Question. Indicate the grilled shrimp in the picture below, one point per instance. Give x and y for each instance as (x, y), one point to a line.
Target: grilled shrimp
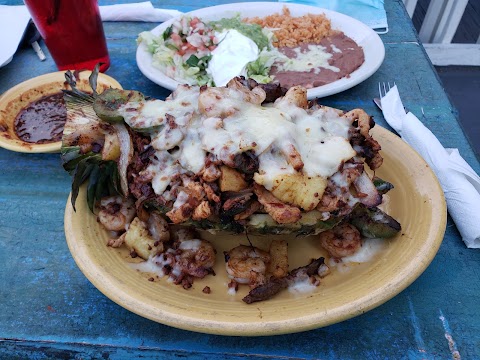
(116, 213)
(342, 240)
(247, 264)
(195, 257)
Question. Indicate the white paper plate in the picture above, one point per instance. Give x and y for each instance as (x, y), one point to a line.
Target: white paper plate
(363, 35)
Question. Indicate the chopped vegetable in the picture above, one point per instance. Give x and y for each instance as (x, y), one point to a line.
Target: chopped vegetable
(184, 50)
(252, 31)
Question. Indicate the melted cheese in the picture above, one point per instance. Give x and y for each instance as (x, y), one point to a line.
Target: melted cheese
(222, 123)
(273, 165)
(304, 60)
(193, 245)
(370, 248)
(192, 156)
(302, 286)
(162, 168)
(182, 199)
(149, 114)
(253, 127)
(323, 157)
(335, 49)
(154, 265)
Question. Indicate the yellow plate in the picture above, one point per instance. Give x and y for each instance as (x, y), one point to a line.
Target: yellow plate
(15, 99)
(417, 202)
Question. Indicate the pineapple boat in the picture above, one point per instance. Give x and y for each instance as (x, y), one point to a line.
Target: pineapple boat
(242, 158)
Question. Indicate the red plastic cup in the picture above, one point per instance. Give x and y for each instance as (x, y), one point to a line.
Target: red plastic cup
(72, 31)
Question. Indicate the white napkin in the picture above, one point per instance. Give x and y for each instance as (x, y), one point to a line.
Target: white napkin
(460, 184)
(13, 22)
(143, 11)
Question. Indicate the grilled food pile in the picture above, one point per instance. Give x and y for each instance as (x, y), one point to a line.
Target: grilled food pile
(244, 158)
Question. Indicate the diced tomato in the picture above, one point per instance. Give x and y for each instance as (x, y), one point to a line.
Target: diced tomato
(194, 22)
(176, 39)
(189, 53)
(190, 47)
(200, 27)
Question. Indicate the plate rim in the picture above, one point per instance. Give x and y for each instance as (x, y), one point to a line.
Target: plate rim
(11, 94)
(157, 76)
(361, 305)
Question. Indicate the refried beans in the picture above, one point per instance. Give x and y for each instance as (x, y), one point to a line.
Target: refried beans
(341, 53)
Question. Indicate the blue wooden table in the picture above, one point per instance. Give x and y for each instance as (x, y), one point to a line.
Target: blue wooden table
(49, 310)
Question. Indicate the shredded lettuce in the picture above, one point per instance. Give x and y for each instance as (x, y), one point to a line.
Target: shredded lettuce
(259, 69)
(165, 55)
(252, 31)
(150, 40)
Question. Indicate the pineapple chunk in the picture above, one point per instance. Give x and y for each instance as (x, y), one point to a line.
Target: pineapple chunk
(111, 147)
(278, 265)
(231, 180)
(297, 188)
(138, 239)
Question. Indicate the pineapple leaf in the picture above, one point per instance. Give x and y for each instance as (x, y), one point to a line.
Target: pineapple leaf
(92, 79)
(92, 184)
(102, 177)
(116, 180)
(75, 94)
(111, 168)
(83, 140)
(80, 174)
(101, 189)
(68, 155)
(71, 157)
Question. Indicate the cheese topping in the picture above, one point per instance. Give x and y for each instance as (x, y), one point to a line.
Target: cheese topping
(162, 168)
(223, 124)
(302, 286)
(252, 127)
(305, 58)
(193, 245)
(148, 114)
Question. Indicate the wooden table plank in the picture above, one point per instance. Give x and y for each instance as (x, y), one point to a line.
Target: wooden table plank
(50, 310)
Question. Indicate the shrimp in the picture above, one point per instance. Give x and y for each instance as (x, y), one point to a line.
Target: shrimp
(365, 121)
(247, 265)
(342, 240)
(116, 213)
(194, 257)
(369, 144)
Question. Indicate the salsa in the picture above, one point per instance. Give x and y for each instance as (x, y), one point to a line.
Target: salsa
(42, 121)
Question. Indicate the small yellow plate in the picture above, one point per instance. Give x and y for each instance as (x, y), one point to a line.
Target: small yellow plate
(18, 97)
(417, 202)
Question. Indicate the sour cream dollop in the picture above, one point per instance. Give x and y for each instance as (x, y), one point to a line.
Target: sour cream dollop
(230, 57)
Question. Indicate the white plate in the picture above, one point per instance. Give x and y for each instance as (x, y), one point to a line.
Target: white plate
(363, 35)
